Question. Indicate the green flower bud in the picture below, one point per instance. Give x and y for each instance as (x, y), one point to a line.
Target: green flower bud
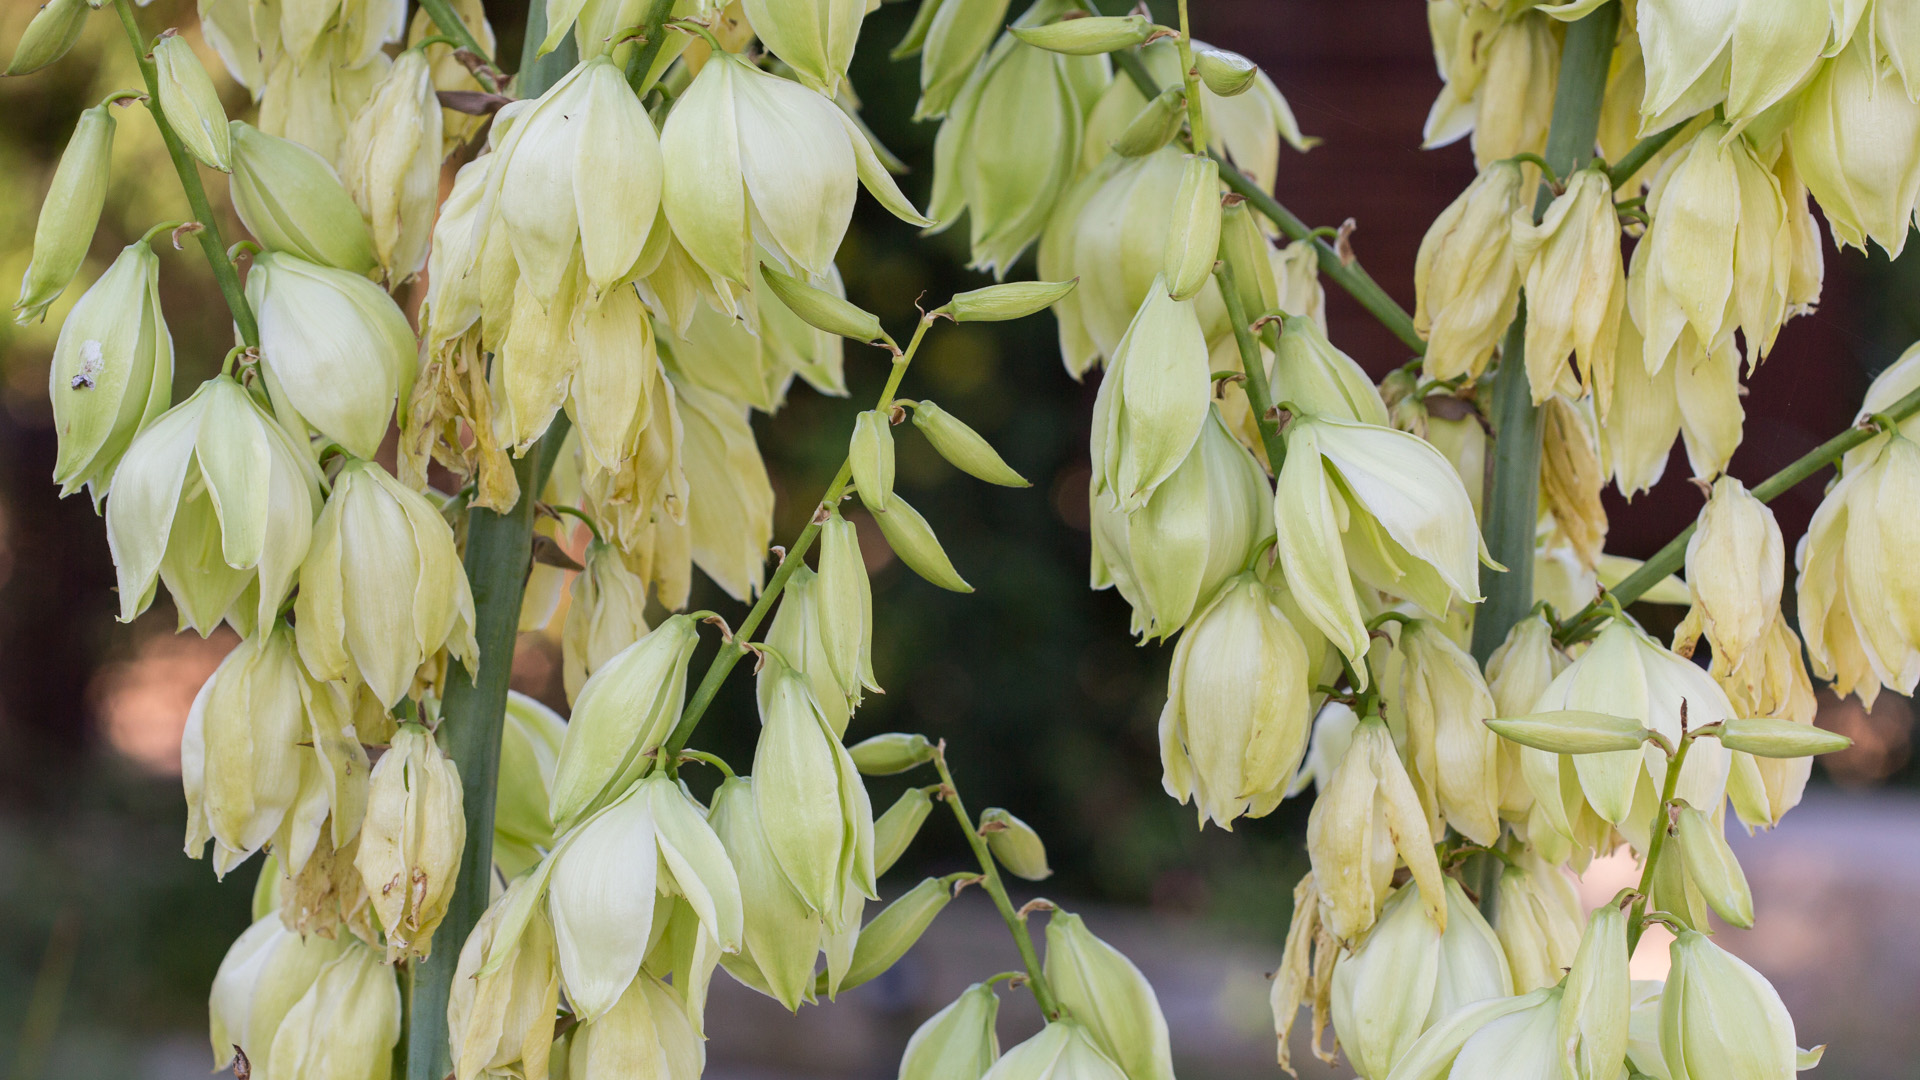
(607, 614)
(51, 32)
(345, 1025)
(1103, 989)
(503, 1020)
(1155, 125)
(191, 104)
(870, 458)
(1245, 249)
(1317, 379)
(390, 163)
(411, 841)
(248, 512)
(956, 38)
(382, 588)
(1000, 303)
(1769, 738)
(1572, 731)
(111, 375)
(1227, 74)
(896, 828)
(1153, 403)
(894, 752)
(1720, 1019)
(648, 1028)
(912, 539)
(71, 211)
(815, 37)
(1088, 36)
(1014, 844)
(1595, 1012)
(1063, 1050)
(958, 1041)
(887, 938)
(606, 874)
(1246, 129)
(963, 447)
(1712, 867)
(241, 759)
(781, 937)
(622, 713)
(821, 309)
(818, 821)
(291, 200)
(1010, 145)
(529, 747)
(1193, 236)
(1366, 813)
(844, 600)
(266, 971)
(798, 636)
(790, 153)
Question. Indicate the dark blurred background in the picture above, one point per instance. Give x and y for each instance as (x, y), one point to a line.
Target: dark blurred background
(109, 936)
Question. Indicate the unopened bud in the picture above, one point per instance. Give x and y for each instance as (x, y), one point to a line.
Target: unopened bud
(892, 932)
(1000, 303)
(913, 540)
(49, 35)
(956, 38)
(844, 599)
(781, 935)
(1227, 74)
(894, 752)
(1089, 36)
(390, 163)
(963, 447)
(957, 1041)
(1712, 867)
(71, 211)
(1571, 731)
(870, 457)
(1103, 989)
(291, 200)
(821, 309)
(1155, 125)
(1014, 844)
(191, 104)
(1595, 1010)
(1771, 738)
(818, 821)
(896, 828)
(1193, 233)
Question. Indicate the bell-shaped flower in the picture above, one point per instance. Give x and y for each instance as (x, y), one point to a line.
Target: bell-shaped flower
(814, 37)
(1466, 281)
(529, 748)
(346, 1024)
(291, 200)
(781, 940)
(1747, 54)
(411, 840)
(1315, 378)
(789, 155)
(1103, 990)
(265, 972)
(646, 1033)
(382, 589)
(1537, 916)
(606, 614)
(1736, 569)
(730, 509)
(1857, 145)
(501, 1020)
(240, 754)
(1720, 1019)
(1063, 1050)
(1368, 818)
(1437, 690)
(812, 803)
(959, 1040)
(1153, 402)
(621, 715)
(335, 347)
(212, 497)
(112, 374)
(1239, 706)
(606, 876)
(1576, 286)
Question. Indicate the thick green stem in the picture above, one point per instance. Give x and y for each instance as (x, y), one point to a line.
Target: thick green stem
(734, 648)
(1670, 559)
(1637, 922)
(655, 34)
(1259, 397)
(1513, 499)
(990, 880)
(473, 707)
(189, 172)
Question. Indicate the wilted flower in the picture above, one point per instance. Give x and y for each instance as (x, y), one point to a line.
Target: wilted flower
(1576, 286)
(390, 161)
(500, 1016)
(1500, 77)
(1367, 816)
(1736, 569)
(111, 375)
(1436, 688)
(71, 211)
(411, 840)
(210, 497)
(730, 513)
(1466, 280)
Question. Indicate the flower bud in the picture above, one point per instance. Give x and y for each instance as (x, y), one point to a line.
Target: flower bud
(530, 742)
(1367, 812)
(963, 447)
(411, 841)
(291, 200)
(1103, 989)
(895, 829)
(792, 156)
(1712, 867)
(797, 635)
(1572, 731)
(1780, 738)
(894, 752)
(382, 589)
(606, 874)
(913, 540)
(1466, 281)
(885, 939)
(390, 163)
(1720, 1019)
(1088, 36)
(814, 37)
(622, 713)
(111, 375)
(1311, 374)
(1246, 250)
(1238, 709)
(647, 1032)
(781, 935)
(870, 459)
(1576, 286)
(818, 821)
(266, 971)
(1153, 401)
(247, 515)
(1227, 74)
(503, 1020)
(821, 309)
(845, 610)
(1014, 844)
(1247, 128)
(957, 1041)
(1063, 1050)
(1155, 125)
(49, 34)
(191, 104)
(1193, 236)
(956, 38)
(1001, 303)
(71, 211)
(1595, 1011)
(345, 1025)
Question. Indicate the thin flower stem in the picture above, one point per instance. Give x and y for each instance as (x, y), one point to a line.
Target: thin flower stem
(210, 240)
(990, 881)
(455, 28)
(1259, 398)
(1643, 151)
(735, 647)
(1637, 922)
(1672, 558)
(1196, 108)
